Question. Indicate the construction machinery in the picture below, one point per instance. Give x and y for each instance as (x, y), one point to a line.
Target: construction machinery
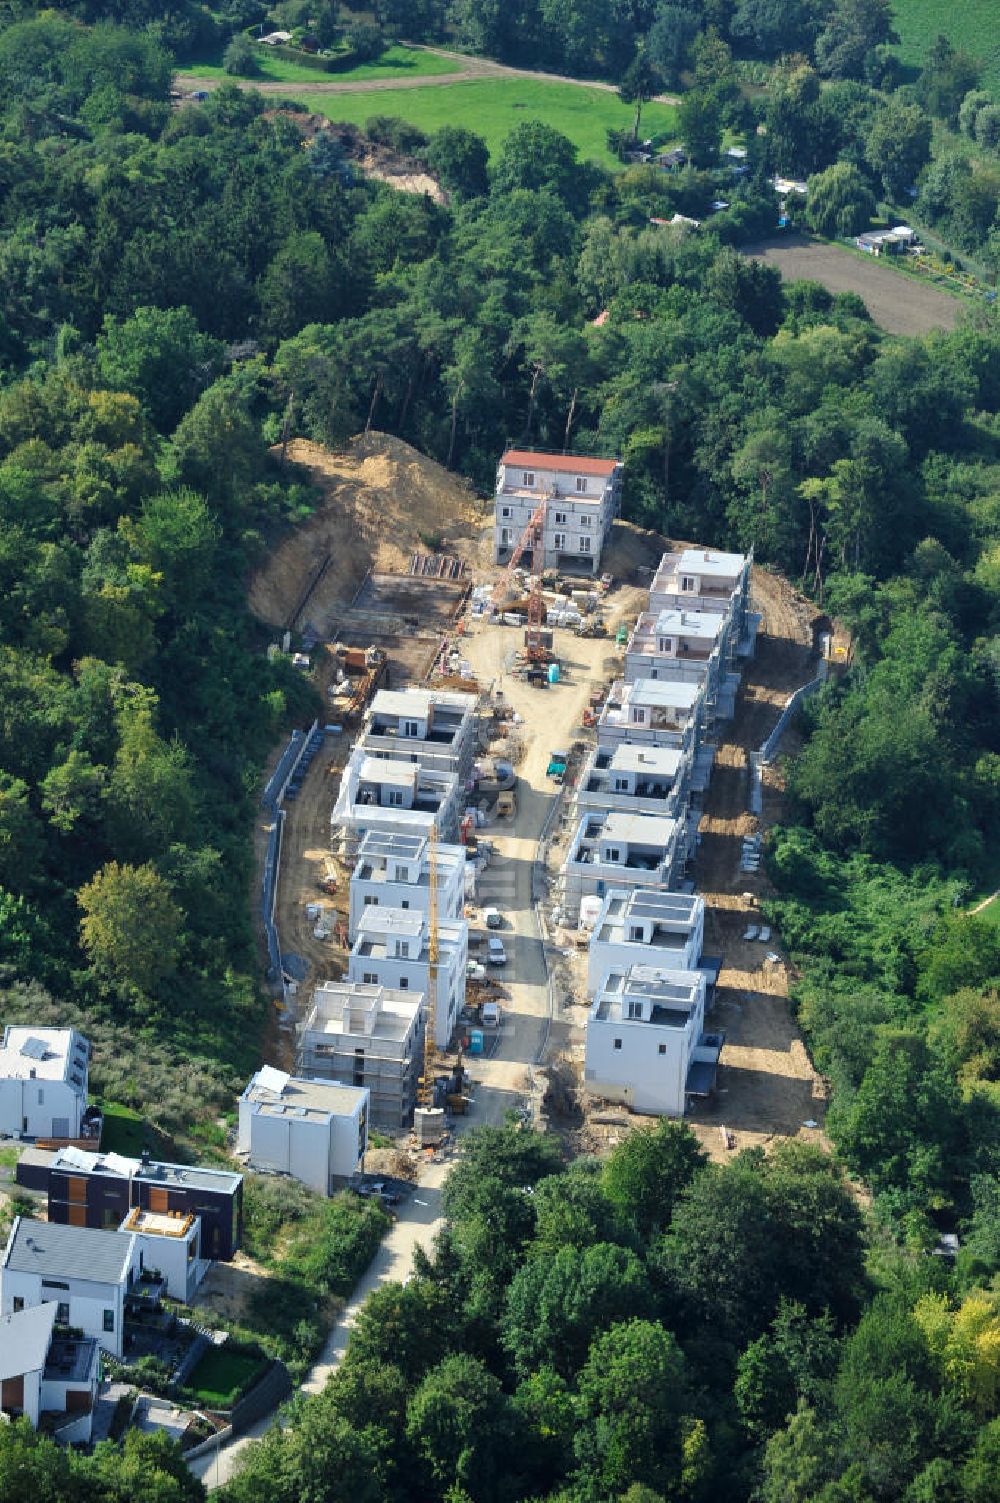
(532, 606)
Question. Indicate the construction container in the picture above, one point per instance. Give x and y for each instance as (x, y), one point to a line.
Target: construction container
(553, 673)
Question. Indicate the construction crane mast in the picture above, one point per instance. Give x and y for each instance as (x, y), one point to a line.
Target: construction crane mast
(532, 537)
(425, 1086)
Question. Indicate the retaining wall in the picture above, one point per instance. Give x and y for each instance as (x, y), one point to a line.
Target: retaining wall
(283, 783)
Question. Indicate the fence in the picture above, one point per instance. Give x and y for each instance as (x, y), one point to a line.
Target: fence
(770, 746)
(284, 783)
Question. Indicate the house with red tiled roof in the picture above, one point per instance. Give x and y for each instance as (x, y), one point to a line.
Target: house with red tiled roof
(581, 494)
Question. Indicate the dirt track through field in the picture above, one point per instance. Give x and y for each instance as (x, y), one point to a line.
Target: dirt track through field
(472, 69)
(898, 303)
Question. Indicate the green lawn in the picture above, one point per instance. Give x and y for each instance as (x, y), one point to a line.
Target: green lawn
(395, 62)
(968, 24)
(125, 1131)
(220, 1373)
(493, 107)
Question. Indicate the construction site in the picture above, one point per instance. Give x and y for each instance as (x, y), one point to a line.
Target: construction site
(392, 585)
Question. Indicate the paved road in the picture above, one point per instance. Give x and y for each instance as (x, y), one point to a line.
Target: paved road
(471, 69)
(501, 1081)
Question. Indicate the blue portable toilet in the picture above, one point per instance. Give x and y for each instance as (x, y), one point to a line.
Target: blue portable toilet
(476, 1041)
(553, 673)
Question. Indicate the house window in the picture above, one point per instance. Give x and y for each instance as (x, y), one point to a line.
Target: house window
(585, 545)
(62, 1312)
(621, 785)
(560, 518)
(581, 484)
(618, 1043)
(370, 978)
(638, 717)
(688, 583)
(400, 948)
(559, 541)
(395, 798)
(371, 902)
(18, 1304)
(505, 537)
(109, 1320)
(505, 511)
(404, 903)
(41, 1097)
(404, 983)
(661, 1048)
(527, 477)
(614, 854)
(586, 521)
(635, 933)
(666, 644)
(411, 728)
(634, 1011)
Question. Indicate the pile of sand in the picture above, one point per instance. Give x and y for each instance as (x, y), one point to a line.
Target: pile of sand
(380, 496)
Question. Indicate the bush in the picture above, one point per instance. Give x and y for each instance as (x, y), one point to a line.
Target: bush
(398, 135)
(366, 41)
(240, 58)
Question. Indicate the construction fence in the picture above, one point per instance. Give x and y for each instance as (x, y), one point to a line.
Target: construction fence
(284, 783)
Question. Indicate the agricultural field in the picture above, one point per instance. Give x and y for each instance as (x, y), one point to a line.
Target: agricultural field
(968, 24)
(493, 107)
(898, 303)
(395, 62)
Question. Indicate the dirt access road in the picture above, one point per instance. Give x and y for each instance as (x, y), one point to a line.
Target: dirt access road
(767, 1085)
(898, 303)
(471, 69)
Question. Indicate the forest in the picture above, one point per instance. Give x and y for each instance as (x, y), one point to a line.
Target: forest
(179, 286)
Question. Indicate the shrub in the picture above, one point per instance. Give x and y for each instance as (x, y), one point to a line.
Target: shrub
(240, 58)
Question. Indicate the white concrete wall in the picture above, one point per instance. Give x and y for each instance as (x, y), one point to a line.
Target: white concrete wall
(31, 1107)
(412, 895)
(309, 1149)
(171, 1255)
(87, 1303)
(411, 975)
(637, 1073)
(606, 957)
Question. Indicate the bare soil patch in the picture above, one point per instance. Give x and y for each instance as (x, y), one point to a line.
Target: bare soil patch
(380, 494)
(897, 303)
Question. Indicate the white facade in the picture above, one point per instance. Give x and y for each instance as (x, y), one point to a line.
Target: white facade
(87, 1274)
(704, 579)
(650, 713)
(392, 949)
(43, 1082)
(622, 850)
(630, 779)
(393, 871)
(643, 927)
(393, 798)
(433, 727)
(366, 1036)
(582, 495)
(170, 1243)
(43, 1372)
(643, 1034)
(314, 1130)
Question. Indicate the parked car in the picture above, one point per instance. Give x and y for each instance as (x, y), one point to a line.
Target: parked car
(490, 1014)
(495, 952)
(475, 972)
(492, 918)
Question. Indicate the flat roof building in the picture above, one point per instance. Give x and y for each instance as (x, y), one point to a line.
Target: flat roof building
(392, 949)
(621, 850)
(630, 779)
(363, 1035)
(645, 1040)
(393, 798)
(582, 495)
(46, 1376)
(643, 926)
(435, 728)
(43, 1082)
(393, 871)
(705, 579)
(316, 1131)
(690, 646)
(650, 713)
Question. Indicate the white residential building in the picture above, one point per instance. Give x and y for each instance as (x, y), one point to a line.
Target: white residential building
(703, 579)
(636, 780)
(369, 1036)
(393, 798)
(582, 495)
(643, 927)
(314, 1130)
(621, 850)
(689, 646)
(650, 713)
(43, 1082)
(392, 949)
(86, 1274)
(433, 727)
(170, 1243)
(645, 1042)
(46, 1372)
(393, 871)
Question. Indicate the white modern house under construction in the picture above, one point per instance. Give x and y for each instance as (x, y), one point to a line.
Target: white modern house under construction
(643, 927)
(392, 949)
(582, 496)
(645, 1042)
(393, 871)
(316, 1131)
